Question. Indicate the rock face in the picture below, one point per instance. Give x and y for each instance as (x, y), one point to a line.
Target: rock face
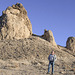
(48, 35)
(14, 23)
(70, 44)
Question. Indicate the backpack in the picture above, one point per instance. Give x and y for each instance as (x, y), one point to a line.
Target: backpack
(51, 58)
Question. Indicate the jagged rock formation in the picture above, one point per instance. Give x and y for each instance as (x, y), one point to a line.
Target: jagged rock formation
(48, 35)
(70, 44)
(14, 23)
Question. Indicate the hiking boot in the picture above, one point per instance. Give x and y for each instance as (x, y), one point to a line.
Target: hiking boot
(52, 74)
(48, 73)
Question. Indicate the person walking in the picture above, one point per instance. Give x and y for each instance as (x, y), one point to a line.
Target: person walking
(52, 59)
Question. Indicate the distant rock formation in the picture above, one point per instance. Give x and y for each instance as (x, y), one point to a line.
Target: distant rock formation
(14, 23)
(70, 44)
(48, 35)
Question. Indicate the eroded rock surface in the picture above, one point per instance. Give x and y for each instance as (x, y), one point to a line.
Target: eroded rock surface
(70, 44)
(14, 23)
(48, 35)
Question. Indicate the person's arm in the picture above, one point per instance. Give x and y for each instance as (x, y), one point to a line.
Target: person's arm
(49, 57)
(55, 58)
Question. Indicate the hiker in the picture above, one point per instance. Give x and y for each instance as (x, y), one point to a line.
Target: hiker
(52, 59)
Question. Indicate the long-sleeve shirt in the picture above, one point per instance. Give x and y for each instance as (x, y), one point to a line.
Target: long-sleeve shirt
(52, 57)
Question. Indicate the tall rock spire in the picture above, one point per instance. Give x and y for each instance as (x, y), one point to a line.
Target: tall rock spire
(48, 35)
(15, 23)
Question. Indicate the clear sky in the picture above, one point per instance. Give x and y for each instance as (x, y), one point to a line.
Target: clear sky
(55, 15)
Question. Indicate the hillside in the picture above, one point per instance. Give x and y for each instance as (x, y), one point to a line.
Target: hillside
(29, 57)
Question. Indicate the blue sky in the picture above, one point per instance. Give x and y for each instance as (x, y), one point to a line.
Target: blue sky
(55, 15)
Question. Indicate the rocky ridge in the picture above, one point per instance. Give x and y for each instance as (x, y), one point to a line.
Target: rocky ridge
(29, 57)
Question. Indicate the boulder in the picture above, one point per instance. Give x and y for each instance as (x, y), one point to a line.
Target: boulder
(14, 23)
(70, 44)
(48, 35)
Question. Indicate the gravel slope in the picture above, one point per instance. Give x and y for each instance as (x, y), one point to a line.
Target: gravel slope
(29, 57)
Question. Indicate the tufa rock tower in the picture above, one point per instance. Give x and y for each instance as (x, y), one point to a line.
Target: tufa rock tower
(70, 44)
(48, 35)
(14, 23)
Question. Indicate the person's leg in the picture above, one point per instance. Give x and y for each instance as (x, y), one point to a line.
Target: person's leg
(49, 67)
(53, 68)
